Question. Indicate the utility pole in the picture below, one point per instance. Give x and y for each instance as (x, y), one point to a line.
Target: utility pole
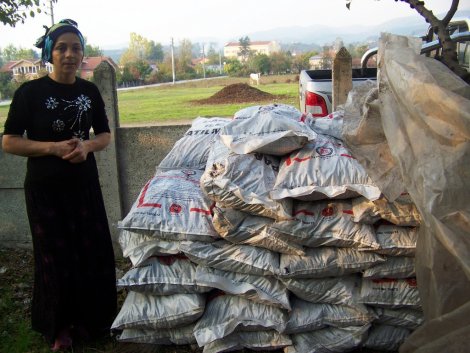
(220, 63)
(51, 8)
(203, 61)
(173, 61)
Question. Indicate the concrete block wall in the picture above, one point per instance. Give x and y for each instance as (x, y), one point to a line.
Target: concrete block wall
(124, 166)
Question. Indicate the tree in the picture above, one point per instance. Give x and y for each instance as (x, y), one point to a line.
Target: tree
(281, 62)
(301, 61)
(213, 57)
(185, 56)
(92, 50)
(154, 52)
(439, 27)
(233, 67)
(12, 12)
(245, 51)
(10, 53)
(261, 63)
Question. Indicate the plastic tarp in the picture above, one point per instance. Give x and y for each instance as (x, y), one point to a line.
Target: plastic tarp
(422, 115)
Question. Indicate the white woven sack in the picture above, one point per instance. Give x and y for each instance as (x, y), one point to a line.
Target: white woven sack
(326, 262)
(401, 212)
(331, 290)
(393, 267)
(172, 204)
(230, 257)
(239, 227)
(390, 293)
(266, 340)
(326, 223)
(407, 318)
(192, 149)
(170, 336)
(243, 182)
(323, 169)
(396, 241)
(329, 339)
(226, 314)
(139, 245)
(262, 289)
(386, 338)
(331, 125)
(147, 311)
(306, 316)
(163, 276)
(275, 129)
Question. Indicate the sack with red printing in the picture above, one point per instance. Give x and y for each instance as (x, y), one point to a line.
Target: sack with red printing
(328, 290)
(326, 262)
(139, 245)
(396, 241)
(231, 257)
(240, 227)
(172, 203)
(243, 182)
(393, 267)
(323, 169)
(390, 293)
(307, 316)
(326, 223)
(401, 212)
(192, 149)
(331, 125)
(386, 337)
(275, 129)
(163, 275)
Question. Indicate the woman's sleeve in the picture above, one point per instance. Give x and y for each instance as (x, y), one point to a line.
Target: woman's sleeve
(18, 114)
(100, 119)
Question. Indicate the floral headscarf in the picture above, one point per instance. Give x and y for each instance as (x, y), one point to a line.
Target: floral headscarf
(46, 42)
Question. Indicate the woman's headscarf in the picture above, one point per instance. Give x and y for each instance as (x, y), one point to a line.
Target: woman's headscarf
(46, 42)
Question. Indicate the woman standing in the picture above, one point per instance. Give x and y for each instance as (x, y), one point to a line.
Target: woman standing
(49, 122)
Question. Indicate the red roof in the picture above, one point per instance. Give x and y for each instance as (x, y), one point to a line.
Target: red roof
(90, 63)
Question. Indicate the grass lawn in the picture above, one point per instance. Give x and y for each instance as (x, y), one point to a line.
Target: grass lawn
(171, 103)
(174, 102)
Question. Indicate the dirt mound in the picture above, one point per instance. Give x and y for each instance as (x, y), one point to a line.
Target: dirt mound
(237, 93)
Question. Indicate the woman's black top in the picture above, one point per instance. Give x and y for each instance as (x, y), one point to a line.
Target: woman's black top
(50, 111)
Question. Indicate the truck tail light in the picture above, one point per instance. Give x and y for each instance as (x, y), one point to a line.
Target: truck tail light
(315, 105)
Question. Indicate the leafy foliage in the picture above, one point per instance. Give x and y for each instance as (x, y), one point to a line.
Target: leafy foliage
(12, 12)
(244, 51)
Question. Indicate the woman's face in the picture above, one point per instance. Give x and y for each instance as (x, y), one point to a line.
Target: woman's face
(67, 54)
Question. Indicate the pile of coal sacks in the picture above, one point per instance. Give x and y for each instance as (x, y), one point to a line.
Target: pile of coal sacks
(264, 232)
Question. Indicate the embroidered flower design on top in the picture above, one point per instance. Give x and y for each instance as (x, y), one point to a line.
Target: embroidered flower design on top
(79, 134)
(81, 105)
(58, 125)
(51, 103)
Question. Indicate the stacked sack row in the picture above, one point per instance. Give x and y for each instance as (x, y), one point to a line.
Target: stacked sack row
(263, 232)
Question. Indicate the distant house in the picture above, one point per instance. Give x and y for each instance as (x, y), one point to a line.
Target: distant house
(90, 63)
(315, 62)
(30, 69)
(27, 68)
(232, 49)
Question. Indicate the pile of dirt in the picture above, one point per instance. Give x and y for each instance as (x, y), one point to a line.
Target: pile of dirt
(238, 93)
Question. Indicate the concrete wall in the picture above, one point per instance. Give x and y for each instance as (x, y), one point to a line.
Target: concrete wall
(124, 166)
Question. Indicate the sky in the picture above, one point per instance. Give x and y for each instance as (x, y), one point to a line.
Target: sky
(108, 23)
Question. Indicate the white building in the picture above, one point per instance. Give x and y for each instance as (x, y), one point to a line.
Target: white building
(232, 49)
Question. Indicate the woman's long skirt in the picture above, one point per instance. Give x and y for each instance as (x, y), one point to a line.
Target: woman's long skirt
(74, 274)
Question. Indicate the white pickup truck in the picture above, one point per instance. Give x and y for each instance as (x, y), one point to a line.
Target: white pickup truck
(315, 85)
